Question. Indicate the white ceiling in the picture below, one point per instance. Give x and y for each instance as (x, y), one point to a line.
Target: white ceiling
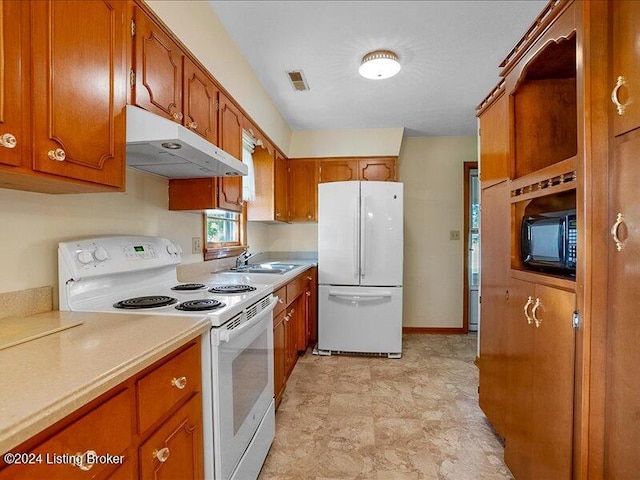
(449, 50)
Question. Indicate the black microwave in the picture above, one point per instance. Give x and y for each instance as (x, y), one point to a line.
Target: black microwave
(549, 241)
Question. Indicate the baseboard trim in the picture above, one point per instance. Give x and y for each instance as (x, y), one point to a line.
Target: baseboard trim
(434, 330)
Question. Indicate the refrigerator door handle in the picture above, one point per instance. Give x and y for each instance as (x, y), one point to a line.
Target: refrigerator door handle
(356, 240)
(363, 235)
(338, 293)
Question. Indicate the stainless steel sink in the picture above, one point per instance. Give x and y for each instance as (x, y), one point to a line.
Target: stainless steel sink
(274, 268)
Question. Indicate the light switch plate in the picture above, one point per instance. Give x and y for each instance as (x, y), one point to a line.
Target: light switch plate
(454, 235)
(196, 245)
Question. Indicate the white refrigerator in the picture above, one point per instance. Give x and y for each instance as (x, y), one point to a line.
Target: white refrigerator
(360, 252)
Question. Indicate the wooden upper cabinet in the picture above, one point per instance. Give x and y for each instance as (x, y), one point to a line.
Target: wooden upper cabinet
(79, 89)
(158, 70)
(14, 85)
(230, 136)
(338, 170)
(303, 190)
(625, 83)
(377, 169)
(200, 102)
(494, 141)
(280, 187)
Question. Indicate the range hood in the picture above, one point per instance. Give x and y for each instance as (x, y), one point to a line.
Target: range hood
(163, 147)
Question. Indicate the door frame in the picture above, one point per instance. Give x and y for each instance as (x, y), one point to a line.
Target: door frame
(468, 166)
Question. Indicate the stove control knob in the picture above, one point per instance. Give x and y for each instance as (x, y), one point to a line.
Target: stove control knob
(84, 257)
(171, 249)
(101, 254)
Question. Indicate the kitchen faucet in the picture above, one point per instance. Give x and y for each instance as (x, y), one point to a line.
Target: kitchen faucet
(243, 258)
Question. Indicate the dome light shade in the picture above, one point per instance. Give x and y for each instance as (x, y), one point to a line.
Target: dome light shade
(379, 65)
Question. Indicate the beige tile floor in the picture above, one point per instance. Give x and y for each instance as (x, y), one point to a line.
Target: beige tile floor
(350, 417)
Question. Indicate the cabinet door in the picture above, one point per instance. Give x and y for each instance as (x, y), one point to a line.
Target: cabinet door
(279, 356)
(175, 450)
(622, 435)
(626, 63)
(377, 169)
(553, 378)
(494, 142)
(303, 190)
(158, 68)
(495, 234)
(230, 137)
(14, 106)
(291, 324)
(280, 187)
(200, 102)
(331, 170)
(518, 454)
(79, 89)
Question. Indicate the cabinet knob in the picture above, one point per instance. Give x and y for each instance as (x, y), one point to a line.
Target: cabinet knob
(614, 95)
(526, 310)
(309, 277)
(162, 455)
(59, 155)
(309, 216)
(533, 313)
(280, 300)
(287, 318)
(614, 232)
(308, 294)
(177, 116)
(278, 214)
(8, 141)
(82, 464)
(193, 125)
(179, 383)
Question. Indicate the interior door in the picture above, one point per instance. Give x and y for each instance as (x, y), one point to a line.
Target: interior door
(381, 235)
(339, 233)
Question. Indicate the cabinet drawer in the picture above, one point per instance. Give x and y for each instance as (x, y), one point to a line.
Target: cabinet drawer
(296, 287)
(281, 293)
(104, 430)
(175, 450)
(168, 385)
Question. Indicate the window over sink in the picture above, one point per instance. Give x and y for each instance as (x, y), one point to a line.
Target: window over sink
(225, 233)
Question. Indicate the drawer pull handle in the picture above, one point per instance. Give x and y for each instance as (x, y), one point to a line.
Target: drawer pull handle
(614, 95)
(614, 232)
(162, 455)
(177, 116)
(58, 155)
(533, 313)
(179, 383)
(8, 141)
(82, 457)
(309, 278)
(526, 310)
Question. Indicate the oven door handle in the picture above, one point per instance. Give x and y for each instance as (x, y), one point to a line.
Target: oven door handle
(228, 335)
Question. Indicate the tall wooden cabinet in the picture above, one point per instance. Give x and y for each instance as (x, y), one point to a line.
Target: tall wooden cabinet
(230, 121)
(543, 138)
(622, 397)
(303, 190)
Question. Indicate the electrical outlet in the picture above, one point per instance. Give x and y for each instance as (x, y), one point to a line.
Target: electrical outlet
(196, 245)
(454, 235)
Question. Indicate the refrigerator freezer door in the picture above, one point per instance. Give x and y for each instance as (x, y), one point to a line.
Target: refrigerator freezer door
(381, 249)
(360, 319)
(339, 233)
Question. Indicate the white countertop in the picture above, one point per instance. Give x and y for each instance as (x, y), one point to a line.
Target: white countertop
(45, 379)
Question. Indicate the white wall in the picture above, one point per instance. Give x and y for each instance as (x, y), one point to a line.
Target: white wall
(34, 223)
(346, 143)
(431, 169)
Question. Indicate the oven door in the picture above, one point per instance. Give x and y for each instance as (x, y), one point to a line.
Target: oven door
(242, 361)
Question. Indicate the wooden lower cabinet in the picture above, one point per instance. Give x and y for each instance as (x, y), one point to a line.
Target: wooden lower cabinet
(292, 322)
(168, 444)
(539, 381)
(496, 231)
(175, 449)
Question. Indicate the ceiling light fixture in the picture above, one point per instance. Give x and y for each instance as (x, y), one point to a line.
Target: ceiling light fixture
(379, 65)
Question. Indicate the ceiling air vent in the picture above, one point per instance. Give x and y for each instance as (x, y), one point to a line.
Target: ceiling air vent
(298, 81)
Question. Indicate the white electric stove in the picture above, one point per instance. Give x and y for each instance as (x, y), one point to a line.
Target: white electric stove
(137, 274)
